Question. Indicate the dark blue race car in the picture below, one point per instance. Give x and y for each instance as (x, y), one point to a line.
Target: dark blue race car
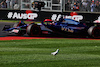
(66, 27)
(69, 27)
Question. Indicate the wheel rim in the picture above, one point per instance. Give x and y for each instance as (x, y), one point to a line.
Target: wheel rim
(35, 31)
(96, 32)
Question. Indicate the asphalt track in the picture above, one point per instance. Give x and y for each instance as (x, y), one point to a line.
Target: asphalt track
(3, 33)
(7, 36)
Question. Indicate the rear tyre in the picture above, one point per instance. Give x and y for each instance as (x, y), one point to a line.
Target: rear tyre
(33, 30)
(94, 31)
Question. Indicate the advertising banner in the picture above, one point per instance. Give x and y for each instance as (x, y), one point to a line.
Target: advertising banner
(40, 16)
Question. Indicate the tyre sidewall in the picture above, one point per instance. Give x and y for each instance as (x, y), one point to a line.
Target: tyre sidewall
(94, 31)
(31, 30)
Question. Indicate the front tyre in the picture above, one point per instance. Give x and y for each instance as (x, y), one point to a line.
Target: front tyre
(94, 31)
(33, 30)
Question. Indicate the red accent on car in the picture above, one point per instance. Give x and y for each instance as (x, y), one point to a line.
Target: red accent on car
(19, 23)
(73, 13)
(47, 20)
(28, 11)
(45, 32)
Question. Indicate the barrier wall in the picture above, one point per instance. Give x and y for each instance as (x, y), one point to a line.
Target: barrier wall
(40, 16)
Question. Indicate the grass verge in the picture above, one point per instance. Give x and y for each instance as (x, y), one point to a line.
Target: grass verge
(37, 53)
(15, 21)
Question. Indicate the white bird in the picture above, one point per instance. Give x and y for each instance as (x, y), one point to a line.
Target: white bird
(56, 52)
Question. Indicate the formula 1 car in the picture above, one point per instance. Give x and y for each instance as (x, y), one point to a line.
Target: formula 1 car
(70, 27)
(32, 29)
(67, 27)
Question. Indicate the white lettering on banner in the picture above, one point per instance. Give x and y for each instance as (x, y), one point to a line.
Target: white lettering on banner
(16, 15)
(75, 17)
(58, 17)
(10, 14)
(54, 16)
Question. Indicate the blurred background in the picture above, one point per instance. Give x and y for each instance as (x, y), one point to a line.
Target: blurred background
(52, 5)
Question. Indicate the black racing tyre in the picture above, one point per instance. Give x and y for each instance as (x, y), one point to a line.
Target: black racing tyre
(33, 30)
(94, 31)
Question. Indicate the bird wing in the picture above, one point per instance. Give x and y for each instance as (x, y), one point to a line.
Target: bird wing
(53, 53)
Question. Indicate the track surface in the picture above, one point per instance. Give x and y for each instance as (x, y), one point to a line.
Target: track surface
(20, 38)
(6, 36)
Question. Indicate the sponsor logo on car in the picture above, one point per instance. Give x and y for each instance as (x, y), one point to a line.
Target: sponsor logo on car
(98, 20)
(67, 29)
(15, 31)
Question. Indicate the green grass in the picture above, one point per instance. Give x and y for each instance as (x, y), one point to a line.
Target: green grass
(9, 20)
(37, 53)
(15, 21)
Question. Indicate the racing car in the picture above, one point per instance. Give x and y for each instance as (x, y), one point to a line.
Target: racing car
(67, 27)
(32, 29)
